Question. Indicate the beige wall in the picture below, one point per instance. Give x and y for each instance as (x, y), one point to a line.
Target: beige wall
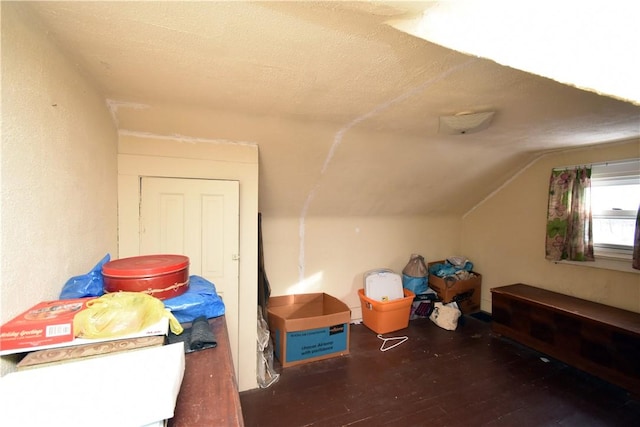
(58, 169)
(330, 254)
(164, 156)
(505, 236)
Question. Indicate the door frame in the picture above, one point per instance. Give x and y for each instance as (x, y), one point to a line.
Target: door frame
(199, 160)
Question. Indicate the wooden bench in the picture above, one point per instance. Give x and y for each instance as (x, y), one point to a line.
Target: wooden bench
(601, 340)
(209, 392)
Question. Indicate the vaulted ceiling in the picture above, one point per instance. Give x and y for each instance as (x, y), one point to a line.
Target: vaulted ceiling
(343, 99)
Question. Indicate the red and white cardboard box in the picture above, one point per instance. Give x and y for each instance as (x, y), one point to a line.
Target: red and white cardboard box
(49, 324)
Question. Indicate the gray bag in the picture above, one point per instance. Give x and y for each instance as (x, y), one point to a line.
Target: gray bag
(416, 267)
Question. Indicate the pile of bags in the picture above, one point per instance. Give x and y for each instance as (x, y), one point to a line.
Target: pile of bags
(426, 303)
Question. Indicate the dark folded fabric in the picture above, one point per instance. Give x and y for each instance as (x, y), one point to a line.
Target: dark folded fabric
(201, 335)
(198, 337)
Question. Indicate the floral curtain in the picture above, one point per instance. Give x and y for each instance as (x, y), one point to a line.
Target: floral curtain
(636, 243)
(569, 225)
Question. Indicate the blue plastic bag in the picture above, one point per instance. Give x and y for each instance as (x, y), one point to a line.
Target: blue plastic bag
(417, 285)
(201, 299)
(446, 269)
(86, 285)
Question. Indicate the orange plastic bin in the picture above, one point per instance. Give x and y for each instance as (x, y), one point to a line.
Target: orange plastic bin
(386, 316)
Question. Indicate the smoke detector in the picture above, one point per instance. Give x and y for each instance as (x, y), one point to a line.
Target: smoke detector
(464, 123)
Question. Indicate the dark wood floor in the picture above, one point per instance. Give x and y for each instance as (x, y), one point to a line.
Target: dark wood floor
(468, 377)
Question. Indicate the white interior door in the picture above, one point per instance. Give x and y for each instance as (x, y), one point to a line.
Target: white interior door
(198, 218)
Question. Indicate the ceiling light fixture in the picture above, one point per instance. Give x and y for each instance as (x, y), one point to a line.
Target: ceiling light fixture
(464, 123)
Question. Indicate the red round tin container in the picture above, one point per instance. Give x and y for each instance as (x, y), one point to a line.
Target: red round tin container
(162, 276)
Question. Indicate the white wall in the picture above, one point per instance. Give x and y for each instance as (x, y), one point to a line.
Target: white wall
(505, 236)
(165, 156)
(59, 183)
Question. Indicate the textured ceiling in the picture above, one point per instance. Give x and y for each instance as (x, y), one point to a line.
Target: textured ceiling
(343, 107)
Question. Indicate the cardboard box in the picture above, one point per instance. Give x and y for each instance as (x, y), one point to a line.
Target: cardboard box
(308, 327)
(49, 324)
(130, 388)
(386, 316)
(466, 292)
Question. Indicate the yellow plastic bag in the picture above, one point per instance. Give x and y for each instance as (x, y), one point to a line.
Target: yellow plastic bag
(121, 313)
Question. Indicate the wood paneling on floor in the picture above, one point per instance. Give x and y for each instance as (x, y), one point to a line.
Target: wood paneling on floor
(468, 377)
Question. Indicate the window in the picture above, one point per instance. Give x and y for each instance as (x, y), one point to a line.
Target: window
(615, 198)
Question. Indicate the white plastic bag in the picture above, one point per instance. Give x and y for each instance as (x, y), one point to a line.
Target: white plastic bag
(445, 316)
(267, 375)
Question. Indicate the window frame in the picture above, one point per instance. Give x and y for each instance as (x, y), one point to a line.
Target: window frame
(615, 174)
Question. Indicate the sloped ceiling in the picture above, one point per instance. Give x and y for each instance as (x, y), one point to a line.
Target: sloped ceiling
(343, 106)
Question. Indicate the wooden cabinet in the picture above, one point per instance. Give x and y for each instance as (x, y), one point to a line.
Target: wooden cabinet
(599, 339)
